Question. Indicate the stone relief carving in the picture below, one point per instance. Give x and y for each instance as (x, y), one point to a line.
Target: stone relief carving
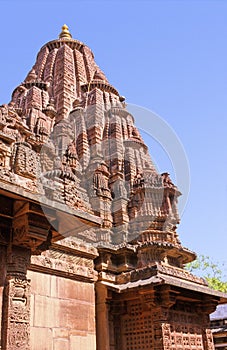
(25, 161)
(65, 262)
(16, 301)
(16, 314)
(209, 344)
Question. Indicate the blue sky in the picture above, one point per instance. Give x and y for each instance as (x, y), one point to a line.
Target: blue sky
(167, 56)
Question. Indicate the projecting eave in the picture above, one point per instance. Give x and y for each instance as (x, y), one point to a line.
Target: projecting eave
(183, 254)
(195, 287)
(16, 192)
(187, 255)
(40, 215)
(161, 279)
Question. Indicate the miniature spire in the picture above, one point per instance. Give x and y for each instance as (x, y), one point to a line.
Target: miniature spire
(65, 32)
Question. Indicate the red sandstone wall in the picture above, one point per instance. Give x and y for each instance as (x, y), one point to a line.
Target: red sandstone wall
(62, 313)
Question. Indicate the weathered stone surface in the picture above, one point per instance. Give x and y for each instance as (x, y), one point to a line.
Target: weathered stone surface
(63, 307)
(46, 312)
(41, 338)
(68, 289)
(81, 342)
(41, 283)
(61, 344)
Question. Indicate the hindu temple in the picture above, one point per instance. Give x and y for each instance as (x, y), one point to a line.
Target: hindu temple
(89, 251)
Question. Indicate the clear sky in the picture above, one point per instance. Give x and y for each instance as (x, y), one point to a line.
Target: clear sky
(167, 56)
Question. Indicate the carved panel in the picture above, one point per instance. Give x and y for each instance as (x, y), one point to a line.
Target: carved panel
(16, 314)
(208, 340)
(166, 336)
(186, 330)
(161, 328)
(186, 337)
(185, 317)
(137, 329)
(25, 161)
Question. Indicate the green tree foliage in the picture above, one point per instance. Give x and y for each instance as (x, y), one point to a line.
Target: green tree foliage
(211, 271)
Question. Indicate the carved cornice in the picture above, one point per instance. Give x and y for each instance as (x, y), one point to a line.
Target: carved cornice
(39, 84)
(122, 112)
(135, 143)
(67, 264)
(100, 84)
(72, 43)
(75, 247)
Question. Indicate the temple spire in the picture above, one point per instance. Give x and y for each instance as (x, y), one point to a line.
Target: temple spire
(65, 32)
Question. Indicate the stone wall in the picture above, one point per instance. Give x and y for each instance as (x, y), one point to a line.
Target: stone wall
(62, 313)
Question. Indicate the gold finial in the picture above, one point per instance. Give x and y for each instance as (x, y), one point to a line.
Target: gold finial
(65, 32)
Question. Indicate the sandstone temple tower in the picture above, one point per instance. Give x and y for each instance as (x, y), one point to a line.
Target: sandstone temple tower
(90, 256)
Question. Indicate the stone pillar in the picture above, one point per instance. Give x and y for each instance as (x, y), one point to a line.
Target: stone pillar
(161, 329)
(16, 302)
(208, 339)
(166, 336)
(102, 319)
(209, 306)
(2, 282)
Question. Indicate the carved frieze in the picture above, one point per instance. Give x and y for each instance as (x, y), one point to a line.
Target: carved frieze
(67, 263)
(181, 273)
